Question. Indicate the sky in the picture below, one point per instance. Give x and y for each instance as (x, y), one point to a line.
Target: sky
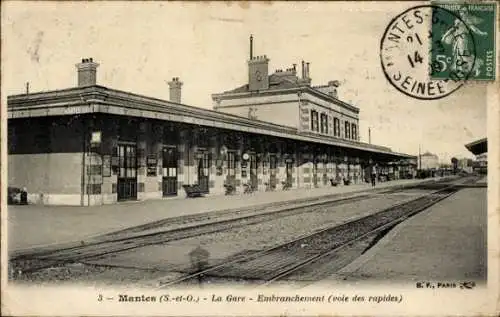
(141, 45)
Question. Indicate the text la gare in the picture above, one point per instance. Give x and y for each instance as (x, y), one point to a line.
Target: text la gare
(228, 298)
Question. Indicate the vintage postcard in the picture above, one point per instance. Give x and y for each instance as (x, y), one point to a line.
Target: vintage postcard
(250, 158)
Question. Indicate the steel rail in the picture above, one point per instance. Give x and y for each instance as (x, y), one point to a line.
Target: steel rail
(95, 250)
(312, 259)
(247, 258)
(104, 238)
(80, 253)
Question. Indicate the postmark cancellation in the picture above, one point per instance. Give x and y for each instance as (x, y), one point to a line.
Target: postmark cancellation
(430, 51)
(465, 42)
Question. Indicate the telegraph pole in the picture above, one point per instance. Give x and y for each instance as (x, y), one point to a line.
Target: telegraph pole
(419, 158)
(369, 136)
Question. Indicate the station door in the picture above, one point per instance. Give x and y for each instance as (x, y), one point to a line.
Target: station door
(204, 171)
(253, 171)
(169, 173)
(273, 170)
(127, 172)
(315, 174)
(289, 173)
(231, 169)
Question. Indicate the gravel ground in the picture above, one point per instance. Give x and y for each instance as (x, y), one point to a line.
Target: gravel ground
(222, 245)
(279, 231)
(94, 275)
(323, 267)
(158, 262)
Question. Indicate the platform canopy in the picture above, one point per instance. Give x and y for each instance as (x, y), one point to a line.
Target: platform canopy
(478, 147)
(98, 99)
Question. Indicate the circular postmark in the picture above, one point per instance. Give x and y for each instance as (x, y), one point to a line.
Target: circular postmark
(427, 52)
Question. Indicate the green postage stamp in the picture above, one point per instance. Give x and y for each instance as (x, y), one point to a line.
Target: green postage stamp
(463, 41)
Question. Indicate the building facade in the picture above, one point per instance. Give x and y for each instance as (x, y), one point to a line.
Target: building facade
(465, 164)
(92, 145)
(429, 161)
(286, 99)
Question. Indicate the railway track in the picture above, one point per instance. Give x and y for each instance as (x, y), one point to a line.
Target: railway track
(41, 259)
(218, 215)
(32, 262)
(283, 261)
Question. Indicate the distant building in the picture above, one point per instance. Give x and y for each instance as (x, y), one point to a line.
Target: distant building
(429, 161)
(482, 160)
(465, 164)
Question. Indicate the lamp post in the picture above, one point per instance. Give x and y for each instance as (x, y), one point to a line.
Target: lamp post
(419, 158)
(299, 127)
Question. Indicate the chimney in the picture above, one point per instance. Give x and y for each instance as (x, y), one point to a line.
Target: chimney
(87, 70)
(258, 71)
(175, 90)
(332, 88)
(307, 71)
(303, 70)
(251, 47)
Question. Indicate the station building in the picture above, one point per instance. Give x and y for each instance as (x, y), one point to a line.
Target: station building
(92, 145)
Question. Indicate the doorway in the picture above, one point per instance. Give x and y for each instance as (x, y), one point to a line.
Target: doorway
(289, 173)
(273, 162)
(203, 171)
(315, 173)
(169, 172)
(253, 171)
(127, 171)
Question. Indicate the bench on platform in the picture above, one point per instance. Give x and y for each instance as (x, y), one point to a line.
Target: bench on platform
(333, 182)
(193, 191)
(230, 189)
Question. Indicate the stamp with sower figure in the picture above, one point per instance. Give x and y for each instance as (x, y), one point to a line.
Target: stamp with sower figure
(428, 52)
(452, 48)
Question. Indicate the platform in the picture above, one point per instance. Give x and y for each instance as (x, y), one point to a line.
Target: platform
(446, 243)
(35, 226)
